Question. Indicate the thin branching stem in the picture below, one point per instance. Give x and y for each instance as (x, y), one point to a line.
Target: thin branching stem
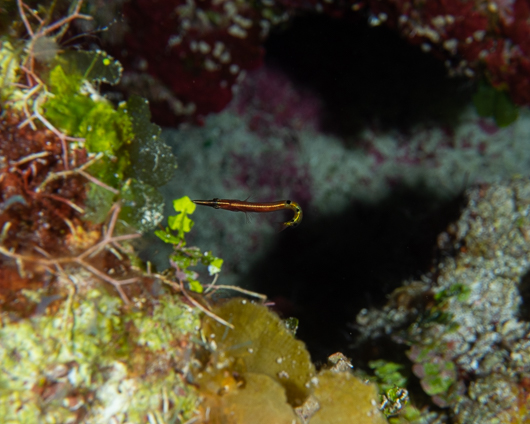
(49, 261)
(210, 286)
(63, 200)
(202, 308)
(81, 171)
(30, 158)
(179, 287)
(238, 289)
(21, 5)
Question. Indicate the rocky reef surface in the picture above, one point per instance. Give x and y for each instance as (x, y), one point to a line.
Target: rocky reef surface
(465, 323)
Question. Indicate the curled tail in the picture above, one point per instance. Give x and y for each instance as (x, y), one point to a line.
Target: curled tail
(298, 215)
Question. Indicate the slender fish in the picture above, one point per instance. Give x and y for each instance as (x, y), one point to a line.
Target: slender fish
(260, 207)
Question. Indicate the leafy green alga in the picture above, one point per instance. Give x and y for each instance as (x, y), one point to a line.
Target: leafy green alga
(185, 257)
(8, 69)
(142, 205)
(492, 102)
(134, 157)
(152, 160)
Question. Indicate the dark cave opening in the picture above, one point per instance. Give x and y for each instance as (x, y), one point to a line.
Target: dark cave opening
(325, 271)
(366, 75)
(524, 291)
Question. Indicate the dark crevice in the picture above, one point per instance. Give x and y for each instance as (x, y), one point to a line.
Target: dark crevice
(366, 76)
(524, 291)
(325, 271)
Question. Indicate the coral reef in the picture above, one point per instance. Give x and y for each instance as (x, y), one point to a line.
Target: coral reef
(471, 36)
(89, 333)
(187, 56)
(93, 362)
(43, 230)
(84, 333)
(468, 343)
(71, 159)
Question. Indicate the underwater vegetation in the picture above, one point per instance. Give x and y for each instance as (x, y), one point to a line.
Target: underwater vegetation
(92, 361)
(77, 172)
(262, 360)
(88, 332)
(81, 322)
(464, 323)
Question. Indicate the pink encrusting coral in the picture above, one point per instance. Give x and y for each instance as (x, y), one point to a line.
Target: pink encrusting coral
(472, 37)
(196, 51)
(187, 56)
(270, 98)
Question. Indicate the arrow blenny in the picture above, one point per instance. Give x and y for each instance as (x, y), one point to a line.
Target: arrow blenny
(259, 207)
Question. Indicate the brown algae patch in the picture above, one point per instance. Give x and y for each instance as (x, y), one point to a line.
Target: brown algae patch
(258, 372)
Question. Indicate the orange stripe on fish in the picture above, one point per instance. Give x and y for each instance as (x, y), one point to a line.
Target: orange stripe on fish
(259, 207)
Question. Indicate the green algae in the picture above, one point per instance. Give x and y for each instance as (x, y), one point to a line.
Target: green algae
(93, 65)
(492, 102)
(185, 257)
(129, 142)
(142, 205)
(98, 203)
(67, 107)
(166, 325)
(9, 60)
(179, 222)
(93, 356)
(104, 128)
(389, 374)
(152, 160)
